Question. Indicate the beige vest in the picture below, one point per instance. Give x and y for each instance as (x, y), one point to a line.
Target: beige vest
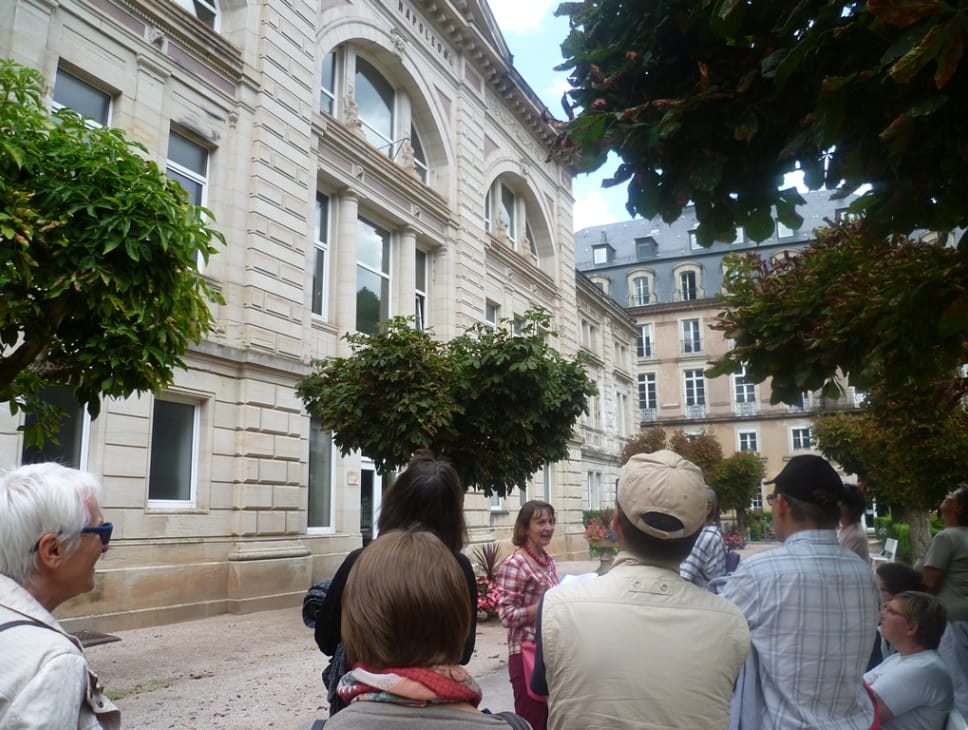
(640, 648)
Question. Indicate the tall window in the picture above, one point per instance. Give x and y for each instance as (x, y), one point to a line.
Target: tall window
(691, 338)
(687, 285)
(91, 103)
(188, 164)
(327, 84)
(748, 441)
(801, 438)
(321, 263)
(640, 291)
(644, 344)
(420, 289)
(71, 436)
(372, 276)
(694, 241)
(375, 103)
(488, 221)
(648, 396)
(508, 218)
(594, 489)
(695, 388)
(491, 314)
(600, 255)
(205, 10)
(174, 435)
(419, 157)
(320, 509)
(745, 390)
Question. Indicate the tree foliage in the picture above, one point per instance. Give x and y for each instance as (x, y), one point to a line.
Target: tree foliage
(647, 441)
(736, 481)
(99, 288)
(885, 313)
(714, 101)
(702, 449)
(497, 405)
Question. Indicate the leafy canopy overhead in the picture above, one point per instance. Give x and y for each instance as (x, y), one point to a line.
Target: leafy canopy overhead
(496, 404)
(99, 288)
(715, 101)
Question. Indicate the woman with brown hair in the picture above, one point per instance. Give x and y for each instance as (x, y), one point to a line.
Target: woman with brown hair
(406, 615)
(427, 495)
(523, 578)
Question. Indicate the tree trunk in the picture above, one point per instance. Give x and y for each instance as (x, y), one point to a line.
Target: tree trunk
(920, 524)
(741, 521)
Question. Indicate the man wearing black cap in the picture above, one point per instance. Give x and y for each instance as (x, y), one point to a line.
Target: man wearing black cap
(641, 647)
(811, 606)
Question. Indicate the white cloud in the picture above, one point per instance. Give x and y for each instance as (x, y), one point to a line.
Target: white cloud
(521, 16)
(591, 209)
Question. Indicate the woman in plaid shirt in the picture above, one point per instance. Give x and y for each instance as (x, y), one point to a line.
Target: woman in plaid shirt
(523, 578)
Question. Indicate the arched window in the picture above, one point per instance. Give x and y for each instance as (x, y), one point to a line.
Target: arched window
(641, 287)
(512, 215)
(688, 282)
(375, 103)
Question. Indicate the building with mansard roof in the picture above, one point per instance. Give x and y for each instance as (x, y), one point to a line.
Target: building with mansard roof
(364, 159)
(668, 284)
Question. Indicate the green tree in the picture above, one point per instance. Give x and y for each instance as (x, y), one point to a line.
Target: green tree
(497, 405)
(736, 481)
(99, 287)
(702, 449)
(713, 102)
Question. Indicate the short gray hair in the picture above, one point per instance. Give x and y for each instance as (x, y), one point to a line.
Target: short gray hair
(38, 499)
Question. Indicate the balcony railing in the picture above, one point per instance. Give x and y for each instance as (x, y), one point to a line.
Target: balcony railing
(692, 345)
(745, 408)
(648, 415)
(696, 411)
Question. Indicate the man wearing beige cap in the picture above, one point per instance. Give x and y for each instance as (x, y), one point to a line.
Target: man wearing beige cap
(640, 647)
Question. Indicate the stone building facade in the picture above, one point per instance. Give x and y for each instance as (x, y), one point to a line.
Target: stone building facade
(364, 159)
(668, 285)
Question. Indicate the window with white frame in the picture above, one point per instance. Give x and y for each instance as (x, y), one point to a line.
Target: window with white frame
(372, 276)
(757, 501)
(69, 447)
(188, 164)
(640, 291)
(512, 216)
(419, 157)
(695, 383)
(319, 512)
(491, 314)
(784, 231)
(743, 387)
(688, 290)
(600, 255)
(205, 10)
(801, 438)
(508, 214)
(648, 392)
(644, 346)
(691, 336)
(88, 101)
(748, 441)
(376, 105)
(621, 413)
(594, 484)
(496, 502)
(420, 289)
(320, 293)
(327, 84)
(174, 445)
(694, 241)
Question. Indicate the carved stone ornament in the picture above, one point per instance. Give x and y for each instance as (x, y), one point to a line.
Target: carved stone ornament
(351, 114)
(406, 159)
(398, 41)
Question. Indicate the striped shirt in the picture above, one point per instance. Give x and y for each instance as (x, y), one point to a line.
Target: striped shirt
(707, 559)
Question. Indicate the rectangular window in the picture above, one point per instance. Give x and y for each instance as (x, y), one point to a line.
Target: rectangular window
(695, 388)
(744, 387)
(507, 213)
(372, 276)
(320, 509)
(783, 231)
(648, 398)
(497, 504)
(757, 501)
(687, 286)
(188, 164)
(740, 236)
(801, 438)
(174, 437)
(327, 84)
(640, 291)
(694, 241)
(594, 490)
(420, 289)
(91, 103)
(600, 255)
(321, 262)
(491, 314)
(71, 449)
(488, 226)
(691, 339)
(748, 441)
(643, 346)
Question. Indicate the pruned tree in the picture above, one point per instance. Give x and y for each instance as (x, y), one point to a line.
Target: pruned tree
(702, 449)
(497, 404)
(736, 481)
(649, 440)
(99, 284)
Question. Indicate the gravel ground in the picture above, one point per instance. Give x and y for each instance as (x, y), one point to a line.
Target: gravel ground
(255, 671)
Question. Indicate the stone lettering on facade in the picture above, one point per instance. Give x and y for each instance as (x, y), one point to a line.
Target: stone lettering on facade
(424, 31)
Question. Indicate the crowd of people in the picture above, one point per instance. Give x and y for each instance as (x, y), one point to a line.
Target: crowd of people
(804, 635)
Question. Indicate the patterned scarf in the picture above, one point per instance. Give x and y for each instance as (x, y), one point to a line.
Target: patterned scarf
(410, 686)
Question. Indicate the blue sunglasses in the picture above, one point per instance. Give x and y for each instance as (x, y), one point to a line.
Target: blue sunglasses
(102, 531)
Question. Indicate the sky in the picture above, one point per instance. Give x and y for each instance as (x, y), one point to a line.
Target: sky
(534, 36)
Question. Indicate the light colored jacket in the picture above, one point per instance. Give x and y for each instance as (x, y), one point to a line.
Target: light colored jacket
(640, 648)
(45, 681)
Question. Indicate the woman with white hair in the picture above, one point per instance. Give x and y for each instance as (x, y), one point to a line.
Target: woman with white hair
(52, 533)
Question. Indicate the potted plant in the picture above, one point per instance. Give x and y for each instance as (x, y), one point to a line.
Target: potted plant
(487, 557)
(600, 537)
